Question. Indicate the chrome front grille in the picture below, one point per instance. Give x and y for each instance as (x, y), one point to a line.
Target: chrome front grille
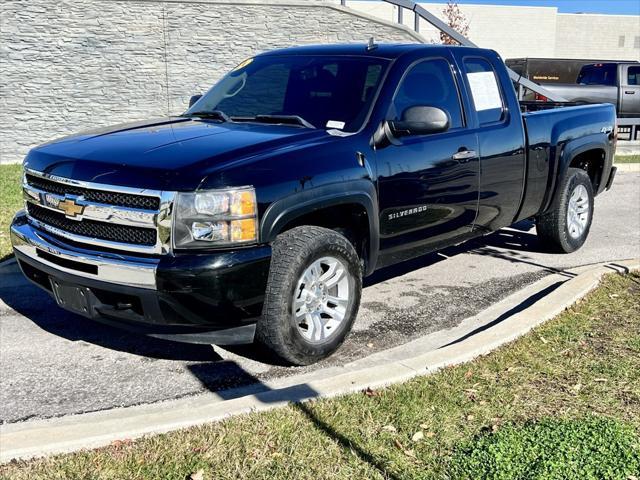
(98, 196)
(112, 217)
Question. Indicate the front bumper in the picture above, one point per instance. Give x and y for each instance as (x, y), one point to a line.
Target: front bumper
(197, 298)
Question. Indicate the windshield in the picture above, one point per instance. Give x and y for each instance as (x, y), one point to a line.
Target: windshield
(323, 91)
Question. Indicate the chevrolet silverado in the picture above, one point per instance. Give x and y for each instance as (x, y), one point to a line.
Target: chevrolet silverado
(255, 215)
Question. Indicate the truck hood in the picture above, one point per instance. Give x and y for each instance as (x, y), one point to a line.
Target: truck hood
(174, 153)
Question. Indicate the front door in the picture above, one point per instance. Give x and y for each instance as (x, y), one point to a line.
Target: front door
(428, 185)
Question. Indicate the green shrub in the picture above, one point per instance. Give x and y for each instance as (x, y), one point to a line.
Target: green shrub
(591, 448)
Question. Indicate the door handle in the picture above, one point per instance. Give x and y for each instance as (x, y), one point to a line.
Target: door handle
(464, 155)
(629, 92)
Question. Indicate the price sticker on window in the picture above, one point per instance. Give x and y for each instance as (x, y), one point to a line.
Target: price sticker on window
(485, 91)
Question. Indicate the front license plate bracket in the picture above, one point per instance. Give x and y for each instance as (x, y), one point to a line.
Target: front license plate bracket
(71, 297)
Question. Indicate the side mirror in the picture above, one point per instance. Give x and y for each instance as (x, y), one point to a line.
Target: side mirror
(194, 99)
(420, 120)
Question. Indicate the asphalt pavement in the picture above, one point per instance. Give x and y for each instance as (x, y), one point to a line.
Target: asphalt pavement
(53, 363)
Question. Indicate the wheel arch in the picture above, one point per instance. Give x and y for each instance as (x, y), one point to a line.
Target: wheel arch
(309, 206)
(588, 153)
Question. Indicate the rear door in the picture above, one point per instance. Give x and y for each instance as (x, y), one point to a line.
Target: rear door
(497, 120)
(630, 90)
(428, 185)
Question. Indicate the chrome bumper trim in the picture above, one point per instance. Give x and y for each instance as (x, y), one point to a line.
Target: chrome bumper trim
(124, 270)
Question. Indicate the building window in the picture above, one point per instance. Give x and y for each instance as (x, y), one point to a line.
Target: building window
(621, 41)
(636, 43)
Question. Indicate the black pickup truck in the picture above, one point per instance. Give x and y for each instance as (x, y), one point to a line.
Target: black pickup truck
(255, 215)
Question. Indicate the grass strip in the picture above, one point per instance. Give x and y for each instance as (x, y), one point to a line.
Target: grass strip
(627, 159)
(10, 203)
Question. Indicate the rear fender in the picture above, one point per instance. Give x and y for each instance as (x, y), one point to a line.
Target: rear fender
(573, 148)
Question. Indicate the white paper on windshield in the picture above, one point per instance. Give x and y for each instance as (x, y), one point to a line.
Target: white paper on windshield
(484, 89)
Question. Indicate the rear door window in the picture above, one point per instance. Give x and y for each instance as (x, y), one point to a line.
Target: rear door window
(633, 76)
(598, 74)
(485, 90)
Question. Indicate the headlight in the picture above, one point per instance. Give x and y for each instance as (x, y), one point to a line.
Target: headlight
(214, 218)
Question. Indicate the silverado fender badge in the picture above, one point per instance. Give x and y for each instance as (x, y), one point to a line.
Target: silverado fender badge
(408, 211)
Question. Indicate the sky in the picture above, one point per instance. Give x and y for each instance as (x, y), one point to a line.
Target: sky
(617, 7)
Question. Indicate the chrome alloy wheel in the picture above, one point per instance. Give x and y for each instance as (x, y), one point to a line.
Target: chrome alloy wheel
(321, 298)
(578, 211)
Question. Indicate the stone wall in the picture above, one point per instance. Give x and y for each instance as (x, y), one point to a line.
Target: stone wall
(71, 65)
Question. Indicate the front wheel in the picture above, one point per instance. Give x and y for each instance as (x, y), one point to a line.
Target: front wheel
(313, 295)
(565, 227)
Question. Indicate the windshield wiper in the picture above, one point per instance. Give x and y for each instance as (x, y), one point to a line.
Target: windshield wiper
(276, 120)
(215, 114)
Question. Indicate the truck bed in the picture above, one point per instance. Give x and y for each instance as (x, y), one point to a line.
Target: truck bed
(551, 138)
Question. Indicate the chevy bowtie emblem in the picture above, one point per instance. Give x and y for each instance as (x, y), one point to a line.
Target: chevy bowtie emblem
(70, 207)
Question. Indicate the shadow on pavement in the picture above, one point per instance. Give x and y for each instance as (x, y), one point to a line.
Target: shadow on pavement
(509, 313)
(506, 244)
(30, 301)
(42, 310)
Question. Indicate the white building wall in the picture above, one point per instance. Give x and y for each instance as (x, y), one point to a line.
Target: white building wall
(532, 31)
(598, 36)
(508, 30)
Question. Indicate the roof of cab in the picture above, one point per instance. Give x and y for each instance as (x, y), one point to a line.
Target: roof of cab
(382, 50)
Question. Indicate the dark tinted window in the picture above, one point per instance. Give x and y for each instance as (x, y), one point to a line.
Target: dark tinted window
(429, 83)
(485, 90)
(633, 77)
(598, 74)
(320, 89)
(264, 91)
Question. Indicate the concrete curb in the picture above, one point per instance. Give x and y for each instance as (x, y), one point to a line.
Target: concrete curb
(503, 323)
(628, 147)
(628, 167)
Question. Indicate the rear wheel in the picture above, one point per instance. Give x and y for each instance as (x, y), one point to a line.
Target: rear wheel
(565, 227)
(312, 296)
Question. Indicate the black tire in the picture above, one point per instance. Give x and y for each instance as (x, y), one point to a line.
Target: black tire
(292, 253)
(552, 226)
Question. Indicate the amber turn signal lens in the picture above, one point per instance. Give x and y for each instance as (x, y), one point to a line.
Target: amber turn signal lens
(243, 230)
(243, 203)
